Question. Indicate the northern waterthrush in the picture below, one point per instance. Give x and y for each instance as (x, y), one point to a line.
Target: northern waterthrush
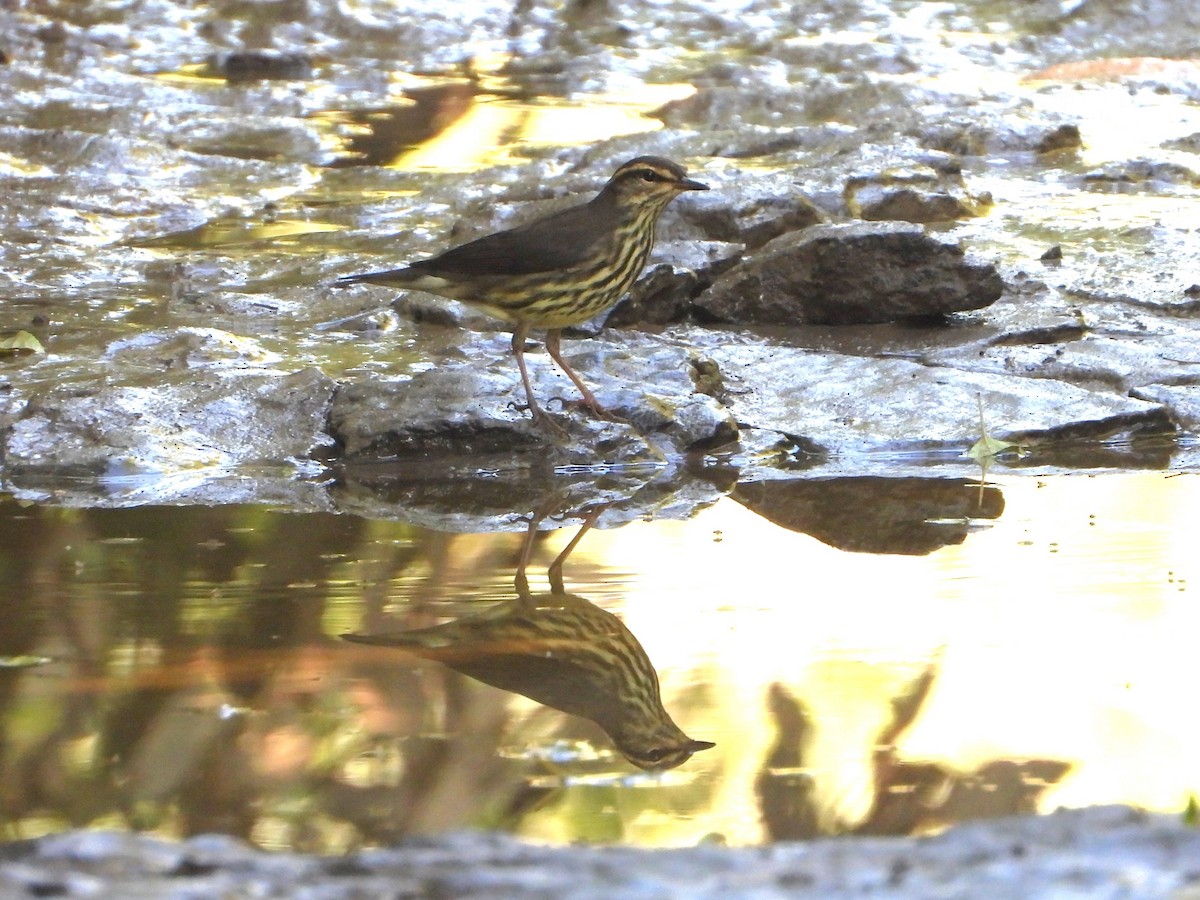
(561, 650)
(557, 271)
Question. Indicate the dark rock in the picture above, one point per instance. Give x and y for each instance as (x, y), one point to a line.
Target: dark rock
(665, 292)
(748, 211)
(1000, 132)
(262, 65)
(663, 296)
(854, 273)
(922, 197)
(1064, 137)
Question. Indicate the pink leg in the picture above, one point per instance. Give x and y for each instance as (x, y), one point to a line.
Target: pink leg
(553, 346)
(518, 347)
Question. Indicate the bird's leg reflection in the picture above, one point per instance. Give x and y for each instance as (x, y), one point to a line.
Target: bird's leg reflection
(555, 570)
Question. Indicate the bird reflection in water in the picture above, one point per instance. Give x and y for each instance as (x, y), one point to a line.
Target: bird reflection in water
(563, 651)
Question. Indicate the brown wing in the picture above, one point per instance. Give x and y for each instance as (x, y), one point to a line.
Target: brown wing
(560, 241)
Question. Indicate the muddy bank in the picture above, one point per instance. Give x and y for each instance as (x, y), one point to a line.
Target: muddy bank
(1099, 852)
(186, 205)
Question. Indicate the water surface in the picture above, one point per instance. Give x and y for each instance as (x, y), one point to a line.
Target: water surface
(179, 668)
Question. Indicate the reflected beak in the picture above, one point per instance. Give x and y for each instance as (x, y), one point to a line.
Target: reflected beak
(697, 746)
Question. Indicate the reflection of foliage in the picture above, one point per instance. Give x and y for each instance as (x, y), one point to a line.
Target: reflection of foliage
(1191, 812)
(193, 685)
(171, 703)
(908, 797)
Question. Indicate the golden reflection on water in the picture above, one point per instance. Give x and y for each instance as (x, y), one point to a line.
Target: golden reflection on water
(459, 126)
(490, 132)
(1062, 633)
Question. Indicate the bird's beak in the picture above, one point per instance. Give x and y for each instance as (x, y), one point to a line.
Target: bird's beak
(686, 184)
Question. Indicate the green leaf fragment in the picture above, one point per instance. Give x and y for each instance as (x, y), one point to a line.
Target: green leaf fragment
(22, 341)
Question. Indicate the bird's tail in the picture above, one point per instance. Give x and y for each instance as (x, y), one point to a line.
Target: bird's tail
(394, 277)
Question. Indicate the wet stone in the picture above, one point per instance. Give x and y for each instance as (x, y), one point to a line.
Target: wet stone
(1141, 174)
(852, 273)
(1001, 133)
(474, 407)
(1182, 400)
(1121, 363)
(833, 403)
(182, 420)
(1089, 850)
(188, 348)
(261, 65)
(919, 194)
(747, 209)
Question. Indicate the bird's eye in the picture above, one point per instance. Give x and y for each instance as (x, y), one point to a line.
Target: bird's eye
(656, 754)
(650, 175)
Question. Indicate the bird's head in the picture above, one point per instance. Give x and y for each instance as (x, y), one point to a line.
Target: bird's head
(656, 744)
(649, 181)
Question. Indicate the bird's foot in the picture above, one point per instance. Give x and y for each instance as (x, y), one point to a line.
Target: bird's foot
(592, 406)
(541, 419)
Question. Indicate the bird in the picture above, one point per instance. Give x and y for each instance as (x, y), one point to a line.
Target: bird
(561, 650)
(556, 271)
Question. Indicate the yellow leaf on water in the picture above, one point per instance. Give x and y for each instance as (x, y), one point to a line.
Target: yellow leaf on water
(987, 447)
(22, 341)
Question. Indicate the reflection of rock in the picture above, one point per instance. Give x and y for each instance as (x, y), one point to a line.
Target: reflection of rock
(562, 651)
(875, 514)
(468, 494)
(852, 273)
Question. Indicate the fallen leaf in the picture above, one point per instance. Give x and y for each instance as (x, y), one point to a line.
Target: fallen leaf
(22, 341)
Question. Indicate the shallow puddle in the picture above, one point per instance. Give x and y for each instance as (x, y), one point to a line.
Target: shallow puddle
(868, 655)
(179, 668)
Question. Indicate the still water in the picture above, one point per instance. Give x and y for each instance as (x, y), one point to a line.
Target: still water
(180, 668)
